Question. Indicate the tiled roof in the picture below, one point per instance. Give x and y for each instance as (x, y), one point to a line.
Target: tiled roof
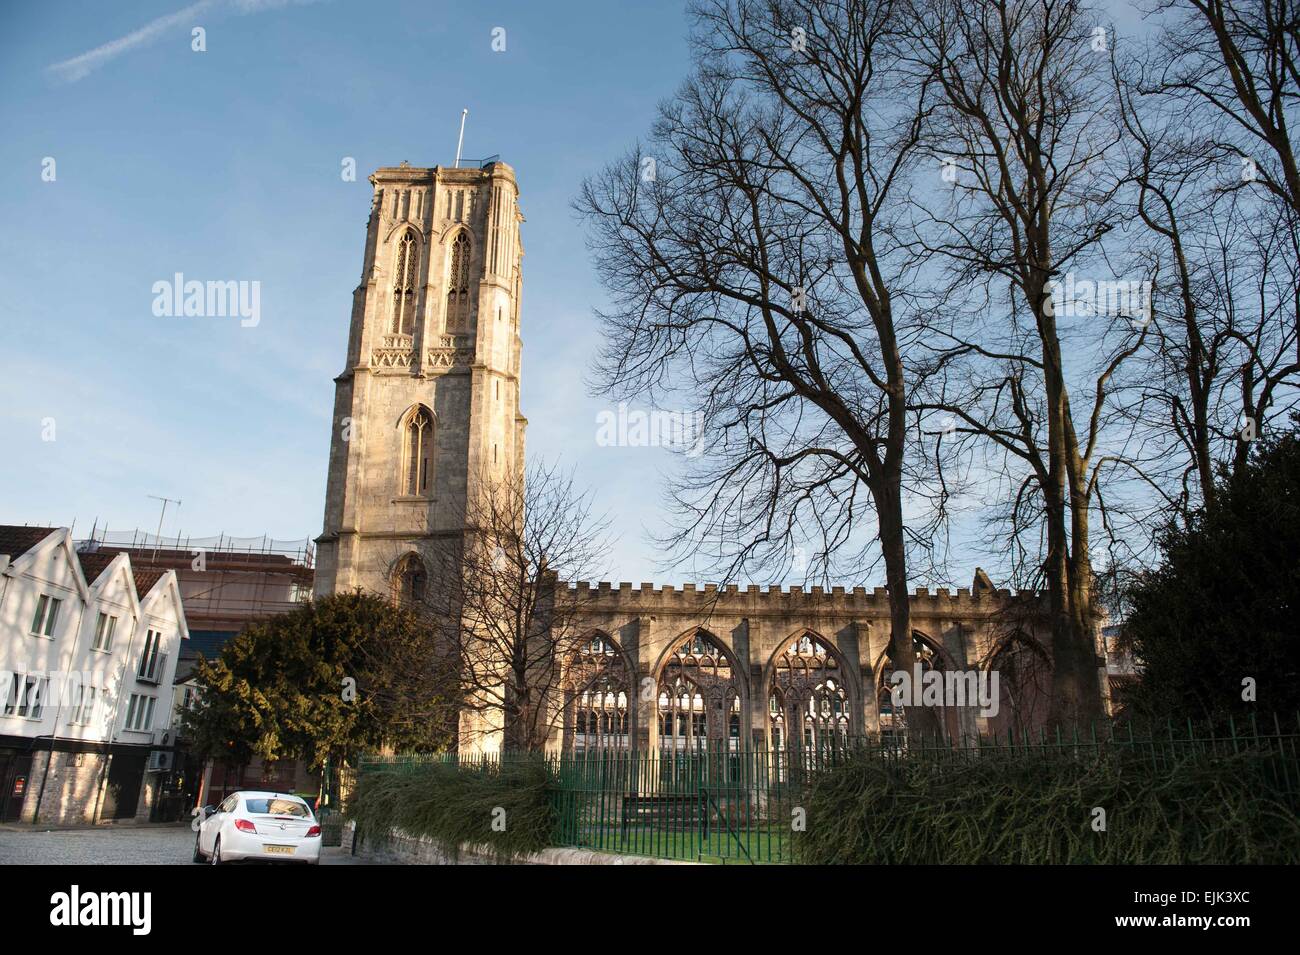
(17, 539)
(92, 565)
(145, 578)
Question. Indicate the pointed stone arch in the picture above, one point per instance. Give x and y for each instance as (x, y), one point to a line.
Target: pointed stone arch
(700, 696)
(406, 282)
(458, 294)
(599, 697)
(408, 579)
(812, 694)
(417, 434)
(931, 655)
(1024, 670)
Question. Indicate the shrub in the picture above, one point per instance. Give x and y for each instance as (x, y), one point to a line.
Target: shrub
(1193, 808)
(454, 804)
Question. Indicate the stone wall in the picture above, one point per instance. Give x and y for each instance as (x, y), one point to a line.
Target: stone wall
(71, 793)
(404, 849)
(754, 626)
(463, 368)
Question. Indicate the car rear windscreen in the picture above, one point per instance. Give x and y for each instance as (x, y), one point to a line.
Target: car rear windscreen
(279, 807)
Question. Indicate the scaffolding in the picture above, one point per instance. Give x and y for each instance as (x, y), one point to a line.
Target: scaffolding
(226, 582)
(301, 552)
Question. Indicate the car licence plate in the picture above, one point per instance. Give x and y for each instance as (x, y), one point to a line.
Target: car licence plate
(285, 850)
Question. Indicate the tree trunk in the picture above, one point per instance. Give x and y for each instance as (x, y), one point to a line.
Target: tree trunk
(1076, 692)
(920, 720)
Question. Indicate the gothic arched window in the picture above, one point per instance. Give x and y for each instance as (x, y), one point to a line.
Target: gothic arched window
(808, 705)
(408, 580)
(928, 655)
(699, 698)
(598, 698)
(404, 282)
(418, 454)
(1024, 681)
(458, 283)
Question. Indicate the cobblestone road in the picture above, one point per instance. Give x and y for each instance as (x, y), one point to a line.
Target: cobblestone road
(146, 845)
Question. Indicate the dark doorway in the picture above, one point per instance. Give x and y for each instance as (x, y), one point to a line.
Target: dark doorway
(15, 777)
(125, 774)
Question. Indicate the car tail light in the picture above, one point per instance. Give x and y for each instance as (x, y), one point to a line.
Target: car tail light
(243, 825)
(313, 831)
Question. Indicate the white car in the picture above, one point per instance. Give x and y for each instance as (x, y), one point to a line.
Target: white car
(247, 826)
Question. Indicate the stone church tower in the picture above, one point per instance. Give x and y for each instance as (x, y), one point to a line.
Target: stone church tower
(428, 400)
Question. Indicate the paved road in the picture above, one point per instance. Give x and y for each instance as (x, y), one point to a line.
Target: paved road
(146, 845)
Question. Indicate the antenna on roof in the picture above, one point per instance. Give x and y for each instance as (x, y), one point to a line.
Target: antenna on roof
(165, 501)
(463, 114)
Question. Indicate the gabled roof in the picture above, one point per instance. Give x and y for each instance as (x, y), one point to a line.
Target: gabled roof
(18, 539)
(97, 568)
(146, 578)
(165, 584)
(56, 537)
(92, 565)
(88, 566)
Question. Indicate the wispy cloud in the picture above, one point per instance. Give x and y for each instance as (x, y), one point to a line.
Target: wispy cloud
(80, 66)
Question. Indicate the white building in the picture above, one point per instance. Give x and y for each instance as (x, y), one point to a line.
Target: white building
(88, 651)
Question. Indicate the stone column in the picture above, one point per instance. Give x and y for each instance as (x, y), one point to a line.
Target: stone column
(867, 678)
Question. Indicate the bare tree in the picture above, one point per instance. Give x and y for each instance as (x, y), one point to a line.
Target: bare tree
(1235, 65)
(757, 252)
(1185, 356)
(497, 601)
(1026, 123)
(1221, 362)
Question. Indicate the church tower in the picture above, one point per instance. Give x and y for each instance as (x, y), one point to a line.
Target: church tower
(428, 401)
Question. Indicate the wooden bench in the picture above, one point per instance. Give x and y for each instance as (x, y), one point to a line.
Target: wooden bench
(684, 809)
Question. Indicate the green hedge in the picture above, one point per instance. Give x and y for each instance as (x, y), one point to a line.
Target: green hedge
(1201, 808)
(453, 804)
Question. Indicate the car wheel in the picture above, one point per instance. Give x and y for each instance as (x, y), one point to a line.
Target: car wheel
(216, 852)
(198, 853)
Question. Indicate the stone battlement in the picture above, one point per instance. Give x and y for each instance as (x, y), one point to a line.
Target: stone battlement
(833, 599)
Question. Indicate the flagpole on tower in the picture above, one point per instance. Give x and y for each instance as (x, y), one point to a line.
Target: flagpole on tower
(461, 139)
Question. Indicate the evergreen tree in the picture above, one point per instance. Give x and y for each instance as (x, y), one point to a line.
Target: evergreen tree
(1220, 613)
(308, 684)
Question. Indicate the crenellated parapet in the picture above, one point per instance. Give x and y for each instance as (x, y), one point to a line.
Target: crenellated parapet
(765, 639)
(753, 599)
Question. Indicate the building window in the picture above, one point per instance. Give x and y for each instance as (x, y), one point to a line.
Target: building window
(699, 698)
(104, 627)
(597, 697)
(458, 284)
(894, 719)
(404, 283)
(139, 712)
(47, 616)
(149, 660)
(808, 704)
(25, 696)
(419, 452)
(83, 710)
(408, 581)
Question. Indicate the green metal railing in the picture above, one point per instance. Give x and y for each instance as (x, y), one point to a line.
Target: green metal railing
(738, 805)
(722, 806)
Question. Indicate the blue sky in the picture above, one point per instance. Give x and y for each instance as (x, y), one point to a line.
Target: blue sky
(225, 164)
